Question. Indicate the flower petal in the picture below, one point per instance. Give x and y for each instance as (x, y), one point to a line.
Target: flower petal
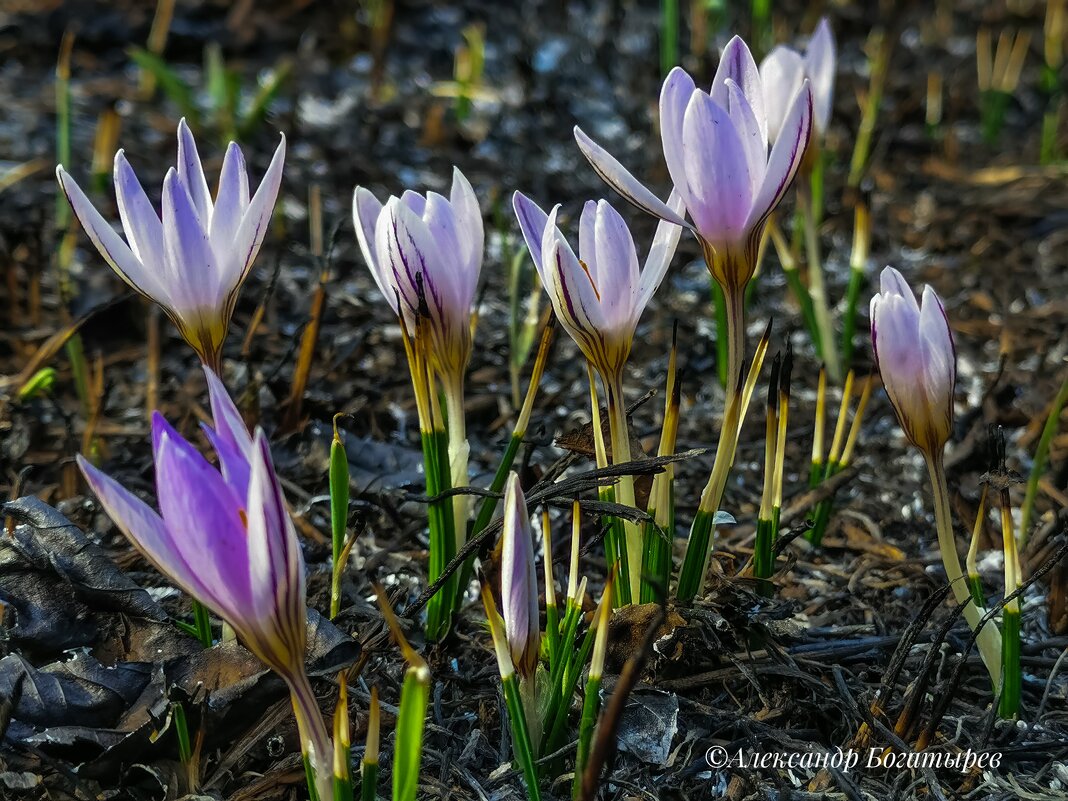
(257, 218)
(617, 281)
(753, 142)
(192, 272)
(366, 209)
(205, 520)
(939, 353)
(781, 73)
(721, 193)
(519, 580)
(231, 202)
(665, 241)
(616, 175)
(231, 432)
(468, 214)
(115, 251)
(785, 158)
(738, 65)
(275, 567)
(674, 98)
(532, 221)
(142, 224)
(191, 173)
(892, 282)
(146, 531)
(820, 64)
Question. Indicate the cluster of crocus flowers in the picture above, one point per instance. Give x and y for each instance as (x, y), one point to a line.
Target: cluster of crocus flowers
(914, 351)
(599, 295)
(194, 258)
(716, 148)
(224, 536)
(425, 255)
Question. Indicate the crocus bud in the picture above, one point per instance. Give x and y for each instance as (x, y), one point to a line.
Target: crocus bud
(426, 248)
(599, 294)
(193, 261)
(519, 581)
(784, 70)
(715, 146)
(914, 351)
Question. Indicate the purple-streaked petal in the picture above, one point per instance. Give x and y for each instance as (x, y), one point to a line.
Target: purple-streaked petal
(206, 521)
(110, 245)
(820, 64)
(257, 218)
(782, 72)
(275, 561)
(660, 254)
(572, 294)
(192, 272)
(619, 178)
(785, 158)
(231, 201)
(145, 530)
(674, 98)
(451, 271)
(191, 173)
(721, 193)
(532, 221)
(753, 143)
(144, 230)
(738, 65)
(519, 581)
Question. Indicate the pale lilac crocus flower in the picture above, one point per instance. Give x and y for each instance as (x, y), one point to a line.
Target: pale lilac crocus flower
(193, 261)
(425, 255)
(519, 581)
(716, 148)
(914, 352)
(599, 295)
(784, 70)
(224, 536)
(430, 245)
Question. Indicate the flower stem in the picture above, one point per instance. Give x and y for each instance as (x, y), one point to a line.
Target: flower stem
(315, 742)
(620, 434)
(989, 639)
(458, 451)
(817, 290)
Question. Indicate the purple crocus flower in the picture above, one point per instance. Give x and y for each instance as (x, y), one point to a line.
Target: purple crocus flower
(431, 245)
(599, 297)
(715, 146)
(914, 351)
(519, 581)
(193, 261)
(224, 536)
(783, 72)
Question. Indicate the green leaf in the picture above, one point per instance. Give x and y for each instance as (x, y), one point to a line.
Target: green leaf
(179, 92)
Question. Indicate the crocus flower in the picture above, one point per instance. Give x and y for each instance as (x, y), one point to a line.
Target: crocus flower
(715, 146)
(915, 355)
(599, 297)
(519, 581)
(784, 70)
(431, 246)
(193, 261)
(224, 536)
